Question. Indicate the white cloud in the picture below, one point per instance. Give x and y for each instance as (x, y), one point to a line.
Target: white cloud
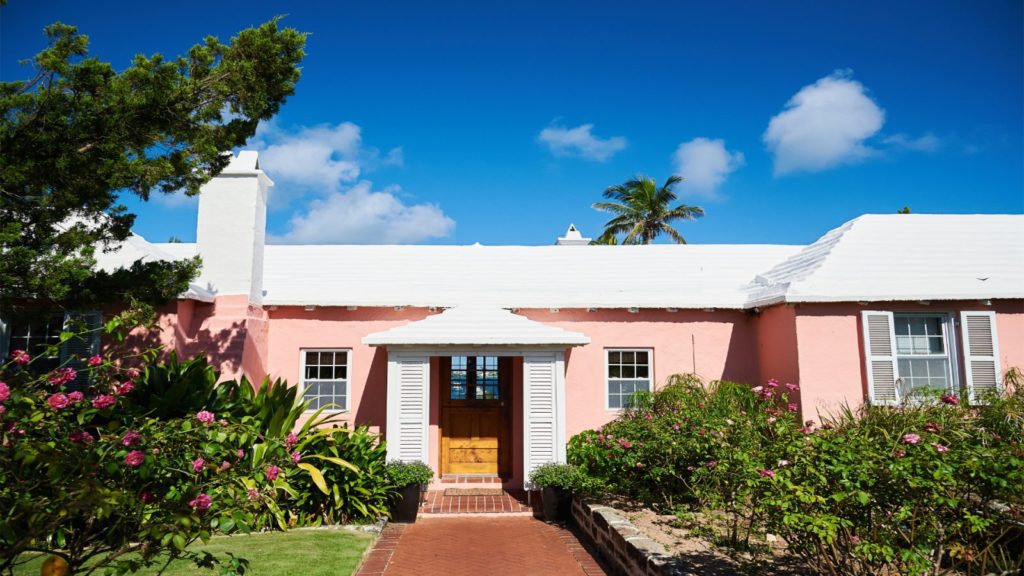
(361, 215)
(580, 142)
(824, 125)
(704, 164)
(176, 199)
(927, 143)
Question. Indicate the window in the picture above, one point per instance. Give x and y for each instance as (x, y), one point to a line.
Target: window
(38, 333)
(35, 334)
(475, 378)
(325, 378)
(923, 354)
(628, 371)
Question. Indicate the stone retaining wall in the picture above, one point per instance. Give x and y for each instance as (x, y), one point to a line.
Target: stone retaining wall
(619, 543)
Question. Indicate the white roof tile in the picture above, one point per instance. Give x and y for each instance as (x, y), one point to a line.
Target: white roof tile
(476, 325)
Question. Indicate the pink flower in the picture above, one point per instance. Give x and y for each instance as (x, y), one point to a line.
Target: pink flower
(154, 451)
(784, 463)
(854, 540)
(131, 438)
(21, 357)
(224, 466)
(910, 439)
(939, 447)
(639, 464)
(223, 422)
(711, 464)
(205, 416)
(133, 373)
(201, 502)
(135, 458)
(62, 376)
(757, 389)
(147, 497)
(675, 427)
(197, 465)
(625, 443)
(899, 453)
(240, 453)
(792, 387)
(272, 473)
(772, 419)
(766, 473)
(124, 388)
(58, 401)
(932, 427)
(296, 456)
(76, 396)
(103, 401)
(5, 391)
(772, 383)
(950, 399)
(792, 407)
(3, 409)
(253, 494)
(291, 440)
(95, 360)
(82, 437)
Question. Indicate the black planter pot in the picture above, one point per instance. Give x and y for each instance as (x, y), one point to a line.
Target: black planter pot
(557, 504)
(408, 505)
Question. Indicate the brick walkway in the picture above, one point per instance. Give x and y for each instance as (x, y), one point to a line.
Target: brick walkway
(472, 546)
(510, 501)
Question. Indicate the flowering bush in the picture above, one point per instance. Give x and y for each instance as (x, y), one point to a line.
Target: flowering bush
(93, 474)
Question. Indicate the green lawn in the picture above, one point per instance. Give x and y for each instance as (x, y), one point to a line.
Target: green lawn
(299, 553)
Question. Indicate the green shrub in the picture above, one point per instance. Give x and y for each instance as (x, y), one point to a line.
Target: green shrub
(564, 477)
(402, 474)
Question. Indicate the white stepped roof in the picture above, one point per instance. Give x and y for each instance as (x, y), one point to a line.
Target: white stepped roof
(903, 257)
(476, 326)
(135, 248)
(655, 276)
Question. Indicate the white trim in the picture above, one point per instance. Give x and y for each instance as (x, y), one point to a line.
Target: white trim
(970, 357)
(560, 439)
(548, 428)
(418, 448)
(650, 372)
(348, 378)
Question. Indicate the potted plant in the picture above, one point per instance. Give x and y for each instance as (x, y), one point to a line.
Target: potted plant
(408, 478)
(558, 482)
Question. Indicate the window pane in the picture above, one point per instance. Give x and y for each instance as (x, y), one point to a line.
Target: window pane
(614, 357)
(628, 357)
(326, 373)
(641, 371)
(614, 386)
(311, 358)
(614, 401)
(614, 372)
(628, 372)
(311, 372)
(642, 386)
(641, 357)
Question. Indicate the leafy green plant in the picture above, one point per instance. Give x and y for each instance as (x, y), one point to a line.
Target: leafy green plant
(563, 477)
(402, 474)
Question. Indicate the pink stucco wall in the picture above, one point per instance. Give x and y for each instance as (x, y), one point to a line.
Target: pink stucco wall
(830, 347)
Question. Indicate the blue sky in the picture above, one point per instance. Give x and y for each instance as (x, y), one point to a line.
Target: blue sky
(501, 122)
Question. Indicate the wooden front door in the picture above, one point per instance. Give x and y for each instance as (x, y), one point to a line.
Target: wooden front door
(475, 404)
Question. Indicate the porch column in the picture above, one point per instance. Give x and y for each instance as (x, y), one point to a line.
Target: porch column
(543, 410)
(408, 406)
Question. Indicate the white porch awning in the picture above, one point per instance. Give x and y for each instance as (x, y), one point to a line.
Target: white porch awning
(476, 326)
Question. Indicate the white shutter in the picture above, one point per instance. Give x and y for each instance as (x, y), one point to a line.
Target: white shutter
(543, 410)
(408, 387)
(981, 354)
(880, 356)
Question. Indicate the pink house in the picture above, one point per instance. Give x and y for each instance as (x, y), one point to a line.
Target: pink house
(484, 360)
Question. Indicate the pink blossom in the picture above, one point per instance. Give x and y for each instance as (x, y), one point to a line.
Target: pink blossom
(910, 439)
(772, 419)
(675, 427)
(223, 422)
(932, 427)
(124, 388)
(197, 465)
(807, 430)
(757, 389)
(792, 387)
(639, 464)
(95, 360)
(625, 443)
(135, 458)
(272, 473)
(939, 447)
(76, 396)
(700, 405)
(950, 399)
(131, 438)
(201, 502)
(62, 376)
(711, 464)
(133, 373)
(784, 463)
(253, 494)
(82, 437)
(205, 416)
(103, 401)
(600, 437)
(772, 383)
(58, 401)
(154, 451)
(792, 407)
(224, 466)
(3, 409)
(147, 497)
(899, 453)
(854, 540)
(20, 357)
(766, 473)
(291, 440)
(240, 453)
(296, 456)
(5, 391)
(649, 417)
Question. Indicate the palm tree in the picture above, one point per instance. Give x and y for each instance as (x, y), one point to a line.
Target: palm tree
(642, 211)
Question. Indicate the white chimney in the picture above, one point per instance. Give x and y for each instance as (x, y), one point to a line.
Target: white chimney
(572, 238)
(232, 228)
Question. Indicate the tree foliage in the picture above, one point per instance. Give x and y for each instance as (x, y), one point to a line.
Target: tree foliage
(643, 211)
(78, 136)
